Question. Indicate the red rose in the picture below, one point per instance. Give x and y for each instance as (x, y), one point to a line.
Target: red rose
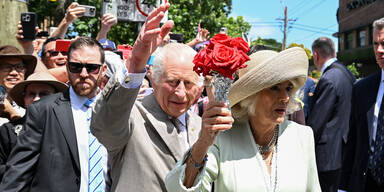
(224, 55)
(240, 44)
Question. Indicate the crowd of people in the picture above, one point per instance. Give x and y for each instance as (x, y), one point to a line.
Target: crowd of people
(88, 119)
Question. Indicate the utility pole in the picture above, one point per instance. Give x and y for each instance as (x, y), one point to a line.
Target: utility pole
(285, 20)
(285, 29)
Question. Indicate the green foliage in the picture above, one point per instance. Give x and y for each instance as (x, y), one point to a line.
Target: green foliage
(307, 51)
(315, 74)
(272, 43)
(353, 69)
(185, 13)
(213, 15)
(45, 10)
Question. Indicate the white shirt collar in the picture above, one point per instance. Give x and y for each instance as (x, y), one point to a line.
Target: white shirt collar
(77, 101)
(327, 64)
(181, 118)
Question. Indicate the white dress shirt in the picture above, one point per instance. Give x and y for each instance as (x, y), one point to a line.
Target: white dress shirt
(79, 112)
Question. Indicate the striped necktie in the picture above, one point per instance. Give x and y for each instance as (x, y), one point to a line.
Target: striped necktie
(376, 158)
(95, 175)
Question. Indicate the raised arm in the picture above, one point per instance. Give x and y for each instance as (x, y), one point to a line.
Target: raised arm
(111, 114)
(216, 118)
(149, 38)
(73, 12)
(107, 22)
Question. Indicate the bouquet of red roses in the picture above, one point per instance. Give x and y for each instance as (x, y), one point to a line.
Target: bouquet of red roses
(222, 57)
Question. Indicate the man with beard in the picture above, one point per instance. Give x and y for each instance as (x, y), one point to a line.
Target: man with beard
(57, 152)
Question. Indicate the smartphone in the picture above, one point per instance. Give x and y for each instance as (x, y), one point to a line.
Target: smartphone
(3, 94)
(111, 7)
(29, 22)
(62, 45)
(90, 11)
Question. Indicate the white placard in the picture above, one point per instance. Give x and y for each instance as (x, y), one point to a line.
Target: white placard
(130, 10)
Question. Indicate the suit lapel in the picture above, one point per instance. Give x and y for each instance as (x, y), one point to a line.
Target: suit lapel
(63, 114)
(162, 125)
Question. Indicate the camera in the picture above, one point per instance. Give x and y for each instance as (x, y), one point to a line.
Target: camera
(223, 30)
(90, 11)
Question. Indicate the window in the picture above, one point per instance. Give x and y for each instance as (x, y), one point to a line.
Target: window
(348, 40)
(361, 38)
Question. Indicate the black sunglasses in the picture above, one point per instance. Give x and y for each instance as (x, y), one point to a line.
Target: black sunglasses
(56, 53)
(75, 67)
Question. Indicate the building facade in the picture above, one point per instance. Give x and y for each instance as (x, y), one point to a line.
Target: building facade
(355, 18)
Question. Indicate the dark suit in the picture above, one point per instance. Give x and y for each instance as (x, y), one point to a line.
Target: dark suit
(355, 163)
(45, 157)
(8, 137)
(328, 115)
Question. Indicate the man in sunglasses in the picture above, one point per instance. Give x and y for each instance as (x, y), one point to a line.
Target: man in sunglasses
(14, 68)
(57, 152)
(54, 60)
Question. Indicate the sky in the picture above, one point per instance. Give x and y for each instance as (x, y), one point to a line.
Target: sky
(310, 19)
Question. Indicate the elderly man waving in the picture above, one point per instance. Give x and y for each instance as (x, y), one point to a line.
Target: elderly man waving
(146, 138)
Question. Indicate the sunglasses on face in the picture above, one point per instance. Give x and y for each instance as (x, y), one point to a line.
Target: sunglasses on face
(54, 53)
(18, 67)
(75, 67)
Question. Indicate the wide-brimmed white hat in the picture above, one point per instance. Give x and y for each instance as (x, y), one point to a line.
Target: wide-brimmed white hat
(267, 68)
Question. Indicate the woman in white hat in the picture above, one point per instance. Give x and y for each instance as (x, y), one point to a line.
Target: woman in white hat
(263, 151)
(36, 86)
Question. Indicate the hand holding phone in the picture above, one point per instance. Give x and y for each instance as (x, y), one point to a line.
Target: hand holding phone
(90, 11)
(29, 23)
(74, 11)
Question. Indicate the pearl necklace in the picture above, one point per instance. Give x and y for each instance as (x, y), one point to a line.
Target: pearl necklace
(265, 149)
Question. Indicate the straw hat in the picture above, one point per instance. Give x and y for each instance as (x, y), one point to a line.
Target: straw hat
(17, 92)
(267, 68)
(9, 51)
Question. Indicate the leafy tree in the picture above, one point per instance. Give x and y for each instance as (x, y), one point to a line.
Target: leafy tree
(307, 51)
(185, 13)
(353, 69)
(272, 43)
(213, 15)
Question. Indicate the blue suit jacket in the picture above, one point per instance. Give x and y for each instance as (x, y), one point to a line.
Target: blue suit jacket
(328, 115)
